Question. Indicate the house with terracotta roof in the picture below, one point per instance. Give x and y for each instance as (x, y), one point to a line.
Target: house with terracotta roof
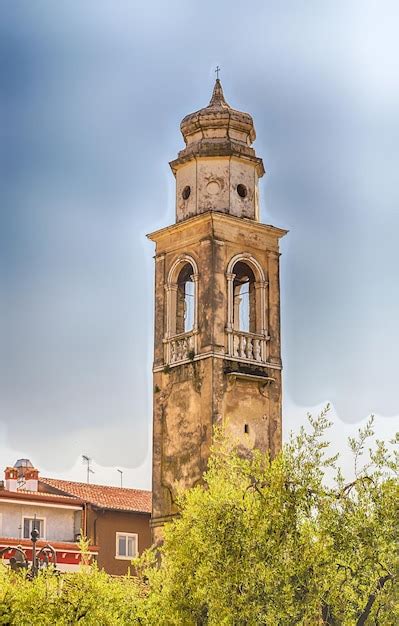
(115, 519)
(57, 518)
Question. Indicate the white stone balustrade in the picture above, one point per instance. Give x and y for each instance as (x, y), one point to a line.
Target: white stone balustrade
(180, 348)
(248, 346)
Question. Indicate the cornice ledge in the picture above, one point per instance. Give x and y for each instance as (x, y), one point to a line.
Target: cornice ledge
(214, 217)
(247, 223)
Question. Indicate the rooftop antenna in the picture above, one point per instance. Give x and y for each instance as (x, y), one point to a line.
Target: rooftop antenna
(121, 473)
(87, 460)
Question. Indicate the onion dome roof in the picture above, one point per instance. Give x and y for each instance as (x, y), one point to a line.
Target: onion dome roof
(219, 115)
(218, 130)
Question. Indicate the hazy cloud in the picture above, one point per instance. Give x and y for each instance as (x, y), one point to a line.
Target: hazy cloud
(92, 95)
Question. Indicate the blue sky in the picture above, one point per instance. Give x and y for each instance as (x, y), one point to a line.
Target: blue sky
(91, 98)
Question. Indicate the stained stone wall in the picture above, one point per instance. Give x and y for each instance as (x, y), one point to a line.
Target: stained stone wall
(211, 385)
(213, 184)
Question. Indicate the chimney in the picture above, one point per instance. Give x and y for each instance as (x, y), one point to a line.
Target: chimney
(31, 477)
(11, 478)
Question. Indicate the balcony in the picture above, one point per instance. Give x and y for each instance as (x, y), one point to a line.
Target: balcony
(249, 347)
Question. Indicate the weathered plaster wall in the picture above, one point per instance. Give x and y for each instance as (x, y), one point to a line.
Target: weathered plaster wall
(59, 522)
(244, 173)
(182, 426)
(190, 398)
(252, 410)
(213, 185)
(102, 528)
(186, 177)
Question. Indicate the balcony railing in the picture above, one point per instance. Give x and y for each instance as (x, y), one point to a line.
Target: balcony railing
(180, 348)
(241, 345)
(248, 346)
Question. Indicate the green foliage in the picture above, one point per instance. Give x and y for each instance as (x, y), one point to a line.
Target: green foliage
(261, 542)
(273, 542)
(87, 597)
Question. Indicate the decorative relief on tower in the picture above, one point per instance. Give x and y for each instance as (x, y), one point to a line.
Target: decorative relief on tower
(212, 185)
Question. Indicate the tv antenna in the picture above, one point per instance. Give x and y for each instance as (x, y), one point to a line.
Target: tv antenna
(87, 460)
(121, 473)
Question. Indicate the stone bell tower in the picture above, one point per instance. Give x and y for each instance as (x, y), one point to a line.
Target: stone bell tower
(217, 306)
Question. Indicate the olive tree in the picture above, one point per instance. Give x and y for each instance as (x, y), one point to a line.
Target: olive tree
(273, 541)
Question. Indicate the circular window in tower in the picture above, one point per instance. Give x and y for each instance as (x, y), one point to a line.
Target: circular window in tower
(242, 191)
(186, 192)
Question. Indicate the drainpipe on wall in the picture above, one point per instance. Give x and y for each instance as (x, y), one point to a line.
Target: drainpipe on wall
(84, 521)
(95, 531)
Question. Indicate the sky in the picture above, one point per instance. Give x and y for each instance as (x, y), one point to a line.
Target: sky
(91, 98)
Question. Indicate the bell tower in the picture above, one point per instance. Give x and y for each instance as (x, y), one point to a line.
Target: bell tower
(217, 306)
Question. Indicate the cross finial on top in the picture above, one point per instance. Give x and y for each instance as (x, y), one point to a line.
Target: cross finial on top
(217, 99)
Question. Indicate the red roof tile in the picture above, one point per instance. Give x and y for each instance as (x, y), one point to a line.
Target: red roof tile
(40, 496)
(102, 496)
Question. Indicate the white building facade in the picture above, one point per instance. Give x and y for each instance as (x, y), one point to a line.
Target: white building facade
(57, 518)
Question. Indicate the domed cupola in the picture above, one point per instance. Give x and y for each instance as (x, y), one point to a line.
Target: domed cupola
(218, 123)
(218, 169)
